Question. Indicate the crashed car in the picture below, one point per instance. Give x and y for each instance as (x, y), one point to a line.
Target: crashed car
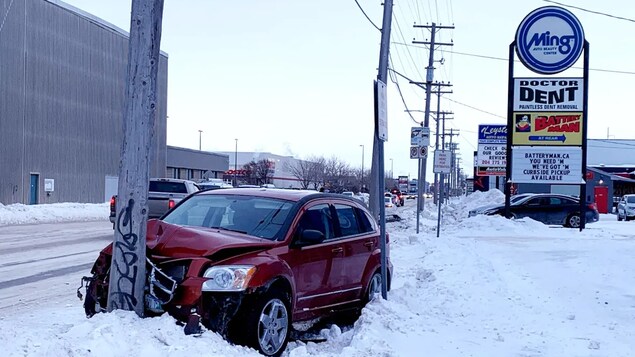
(250, 263)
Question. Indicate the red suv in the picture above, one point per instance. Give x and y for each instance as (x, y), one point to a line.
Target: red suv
(251, 262)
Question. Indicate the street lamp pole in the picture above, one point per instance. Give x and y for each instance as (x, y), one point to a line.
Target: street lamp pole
(236, 164)
(199, 139)
(361, 188)
(391, 174)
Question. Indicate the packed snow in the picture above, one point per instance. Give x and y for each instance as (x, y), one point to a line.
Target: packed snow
(56, 212)
(487, 286)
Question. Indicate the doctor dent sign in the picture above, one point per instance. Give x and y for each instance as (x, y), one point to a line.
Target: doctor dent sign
(549, 40)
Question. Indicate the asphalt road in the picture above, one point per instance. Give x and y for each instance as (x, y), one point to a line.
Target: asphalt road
(43, 263)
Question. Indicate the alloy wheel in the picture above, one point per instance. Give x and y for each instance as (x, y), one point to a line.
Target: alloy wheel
(273, 326)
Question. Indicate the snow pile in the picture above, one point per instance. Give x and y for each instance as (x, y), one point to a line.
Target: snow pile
(56, 212)
(487, 286)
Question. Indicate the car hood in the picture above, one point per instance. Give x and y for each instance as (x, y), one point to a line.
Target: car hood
(168, 240)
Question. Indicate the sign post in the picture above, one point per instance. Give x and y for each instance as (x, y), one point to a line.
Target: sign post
(547, 116)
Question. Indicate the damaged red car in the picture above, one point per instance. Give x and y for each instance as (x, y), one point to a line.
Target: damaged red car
(252, 263)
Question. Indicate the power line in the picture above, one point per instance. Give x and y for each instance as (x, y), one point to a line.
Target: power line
(475, 108)
(396, 82)
(505, 59)
(590, 11)
(5, 16)
(368, 18)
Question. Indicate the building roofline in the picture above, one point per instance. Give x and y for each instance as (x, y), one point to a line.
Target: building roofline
(95, 20)
(197, 151)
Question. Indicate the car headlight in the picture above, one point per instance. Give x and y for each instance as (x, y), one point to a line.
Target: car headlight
(228, 277)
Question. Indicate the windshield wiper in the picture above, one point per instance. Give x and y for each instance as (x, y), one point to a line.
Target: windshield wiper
(229, 229)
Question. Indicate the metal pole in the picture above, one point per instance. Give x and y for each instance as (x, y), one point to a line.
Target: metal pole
(236, 165)
(382, 76)
(361, 188)
(510, 128)
(199, 139)
(585, 126)
(441, 188)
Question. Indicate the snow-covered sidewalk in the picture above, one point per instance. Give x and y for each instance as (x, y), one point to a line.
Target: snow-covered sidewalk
(486, 287)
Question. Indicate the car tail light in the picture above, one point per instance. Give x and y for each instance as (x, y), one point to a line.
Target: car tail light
(171, 204)
(593, 206)
(113, 202)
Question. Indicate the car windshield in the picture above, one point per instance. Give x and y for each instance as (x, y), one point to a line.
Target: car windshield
(387, 199)
(630, 199)
(257, 216)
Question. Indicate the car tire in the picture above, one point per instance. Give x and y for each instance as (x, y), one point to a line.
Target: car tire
(573, 221)
(373, 288)
(266, 323)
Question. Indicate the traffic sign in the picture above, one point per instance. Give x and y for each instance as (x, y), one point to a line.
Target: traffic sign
(423, 152)
(414, 152)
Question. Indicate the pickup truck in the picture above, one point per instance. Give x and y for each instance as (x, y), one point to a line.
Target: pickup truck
(163, 194)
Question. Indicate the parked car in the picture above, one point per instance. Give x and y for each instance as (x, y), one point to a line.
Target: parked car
(163, 195)
(548, 209)
(626, 208)
(512, 200)
(388, 202)
(249, 263)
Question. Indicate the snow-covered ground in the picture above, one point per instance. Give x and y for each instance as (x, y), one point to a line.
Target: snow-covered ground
(486, 287)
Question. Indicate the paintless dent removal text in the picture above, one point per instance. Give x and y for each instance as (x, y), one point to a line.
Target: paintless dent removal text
(538, 95)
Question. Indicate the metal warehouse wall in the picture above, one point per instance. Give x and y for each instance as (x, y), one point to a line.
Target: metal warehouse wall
(198, 160)
(62, 87)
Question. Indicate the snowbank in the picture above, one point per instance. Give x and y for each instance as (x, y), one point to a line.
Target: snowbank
(50, 213)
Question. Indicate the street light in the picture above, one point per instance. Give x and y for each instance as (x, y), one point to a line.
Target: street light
(199, 139)
(361, 189)
(391, 175)
(236, 164)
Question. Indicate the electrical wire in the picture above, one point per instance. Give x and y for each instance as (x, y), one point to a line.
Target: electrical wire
(4, 18)
(591, 11)
(505, 59)
(368, 18)
(396, 82)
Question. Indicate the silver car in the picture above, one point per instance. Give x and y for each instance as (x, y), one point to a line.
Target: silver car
(626, 208)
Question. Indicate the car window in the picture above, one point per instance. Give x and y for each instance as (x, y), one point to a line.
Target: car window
(630, 199)
(166, 186)
(534, 202)
(257, 216)
(364, 221)
(347, 219)
(555, 201)
(317, 218)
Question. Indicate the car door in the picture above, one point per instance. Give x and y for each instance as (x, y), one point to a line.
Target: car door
(556, 210)
(311, 265)
(359, 240)
(532, 208)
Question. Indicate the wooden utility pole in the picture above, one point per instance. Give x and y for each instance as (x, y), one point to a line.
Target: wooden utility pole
(128, 268)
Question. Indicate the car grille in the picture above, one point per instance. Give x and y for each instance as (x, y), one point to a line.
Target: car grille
(160, 284)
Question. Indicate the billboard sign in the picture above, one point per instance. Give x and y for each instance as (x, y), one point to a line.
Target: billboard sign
(540, 128)
(549, 40)
(548, 94)
(550, 165)
(488, 133)
(492, 159)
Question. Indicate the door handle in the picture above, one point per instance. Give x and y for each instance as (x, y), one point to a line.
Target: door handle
(337, 250)
(369, 244)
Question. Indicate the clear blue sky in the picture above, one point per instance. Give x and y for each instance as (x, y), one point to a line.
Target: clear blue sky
(295, 77)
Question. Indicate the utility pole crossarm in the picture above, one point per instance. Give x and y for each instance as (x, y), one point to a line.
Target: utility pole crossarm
(434, 26)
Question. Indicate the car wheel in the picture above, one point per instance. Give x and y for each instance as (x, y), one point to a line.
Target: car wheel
(573, 221)
(374, 288)
(266, 324)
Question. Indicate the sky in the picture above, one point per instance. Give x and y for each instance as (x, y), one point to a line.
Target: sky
(515, 288)
(266, 72)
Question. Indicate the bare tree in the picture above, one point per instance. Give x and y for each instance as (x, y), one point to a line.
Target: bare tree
(302, 170)
(259, 172)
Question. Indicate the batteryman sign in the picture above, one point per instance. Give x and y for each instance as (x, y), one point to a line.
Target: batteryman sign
(555, 165)
(542, 128)
(549, 40)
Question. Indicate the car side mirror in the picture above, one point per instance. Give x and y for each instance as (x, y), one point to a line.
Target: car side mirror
(309, 237)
